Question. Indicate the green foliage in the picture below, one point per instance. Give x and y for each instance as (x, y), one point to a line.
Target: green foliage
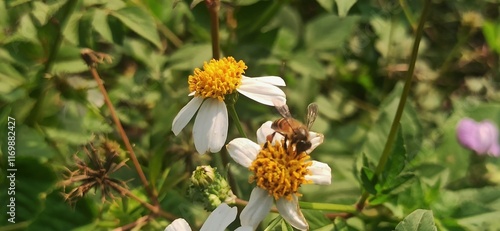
(420, 219)
(348, 56)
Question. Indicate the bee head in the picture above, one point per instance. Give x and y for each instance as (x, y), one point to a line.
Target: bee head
(302, 145)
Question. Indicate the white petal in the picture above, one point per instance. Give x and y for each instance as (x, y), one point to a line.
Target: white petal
(257, 208)
(210, 126)
(321, 173)
(220, 218)
(219, 128)
(273, 80)
(261, 92)
(192, 93)
(178, 225)
(316, 139)
(243, 151)
(185, 114)
(264, 130)
(244, 228)
(290, 211)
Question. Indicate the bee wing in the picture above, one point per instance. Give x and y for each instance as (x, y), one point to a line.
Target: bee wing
(282, 109)
(312, 113)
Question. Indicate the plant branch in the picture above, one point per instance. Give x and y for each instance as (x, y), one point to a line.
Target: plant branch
(155, 209)
(399, 112)
(140, 220)
(213, 8)
(92, 58)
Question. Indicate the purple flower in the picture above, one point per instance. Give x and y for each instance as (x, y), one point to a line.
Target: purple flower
(480, 137)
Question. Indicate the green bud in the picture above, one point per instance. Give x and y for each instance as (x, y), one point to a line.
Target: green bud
(210, 188)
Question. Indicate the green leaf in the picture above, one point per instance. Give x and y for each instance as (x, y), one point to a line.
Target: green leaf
(140, 22)
(58, 215)
(343, 6)
(327, 4)
(190, 56)
(491, 31)
(366, 180)
(71, 32)
(101, 25)
(307, 65)
(32, 180)
(329, 32)
(418, 220)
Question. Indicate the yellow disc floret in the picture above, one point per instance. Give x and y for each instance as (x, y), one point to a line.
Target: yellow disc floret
(280, 171)
(217, 79)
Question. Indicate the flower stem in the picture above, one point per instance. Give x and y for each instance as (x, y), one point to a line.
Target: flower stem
(213, 8)
(397, 117)
(236, 119)
(327, 206)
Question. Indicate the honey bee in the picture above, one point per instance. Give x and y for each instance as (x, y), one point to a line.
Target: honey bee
(293, 130)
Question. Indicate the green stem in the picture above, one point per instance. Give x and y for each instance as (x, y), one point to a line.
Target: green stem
(236, 119)
(327, 206)
(399, 112)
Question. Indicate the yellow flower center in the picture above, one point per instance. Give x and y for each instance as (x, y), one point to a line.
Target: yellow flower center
(280, 171)
(217, 79)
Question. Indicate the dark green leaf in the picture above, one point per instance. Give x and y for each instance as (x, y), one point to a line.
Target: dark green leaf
(366, 179)
(140, 22)
(418, 220)
(329, 32)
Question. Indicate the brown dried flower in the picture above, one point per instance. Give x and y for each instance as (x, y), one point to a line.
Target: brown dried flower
(95, 173)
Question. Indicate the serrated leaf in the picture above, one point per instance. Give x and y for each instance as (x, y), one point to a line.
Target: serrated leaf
(418, 220)
(329, 32)
(140, 22)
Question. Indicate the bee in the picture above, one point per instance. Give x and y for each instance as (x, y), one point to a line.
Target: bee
(293, 130)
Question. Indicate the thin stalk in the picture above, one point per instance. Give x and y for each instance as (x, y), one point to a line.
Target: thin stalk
(399, 112)
(327, 206)
(155, 209)
(213, 8)
(141, 220)
(236, 119)
(122, 133)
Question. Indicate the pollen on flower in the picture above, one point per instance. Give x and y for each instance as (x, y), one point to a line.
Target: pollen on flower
(217, 79)
(280, 171)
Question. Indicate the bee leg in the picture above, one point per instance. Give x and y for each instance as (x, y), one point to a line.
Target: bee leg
(269, 139)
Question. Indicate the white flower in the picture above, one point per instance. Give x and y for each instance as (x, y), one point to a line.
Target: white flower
(209, 87)
(278, 172)
(218, 220)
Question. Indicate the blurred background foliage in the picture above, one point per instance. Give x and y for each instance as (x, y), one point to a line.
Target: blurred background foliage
(348, 56)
